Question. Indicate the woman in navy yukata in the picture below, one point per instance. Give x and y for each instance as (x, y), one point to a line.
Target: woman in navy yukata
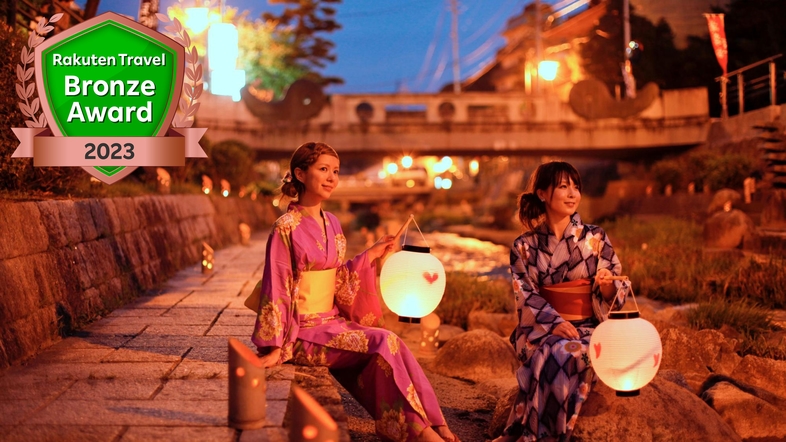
(327, 311)
(560, 269)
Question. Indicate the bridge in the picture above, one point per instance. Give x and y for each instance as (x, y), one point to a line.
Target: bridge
(469, 123)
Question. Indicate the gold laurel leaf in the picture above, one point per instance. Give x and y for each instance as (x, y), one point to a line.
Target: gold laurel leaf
(34, 105)
(56, 17)
(28, 74)
(37, 41)
(180, 41)
(188, 90)
(23, 57)
(183, 105)
(20, 91)
(30, 90)
(47, 29)
(195, 54)
(197, 90)
(163, 18)
(30, 39)
(40, 25)
(43, 120)
(30, 57)
(198, 75)
(30, 123)
(190, 74)
(187, 39)
(178, 26)
(170, 29)
(20, 73)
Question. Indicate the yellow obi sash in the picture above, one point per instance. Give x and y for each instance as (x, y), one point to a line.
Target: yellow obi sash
(315, 291)
(572, 300)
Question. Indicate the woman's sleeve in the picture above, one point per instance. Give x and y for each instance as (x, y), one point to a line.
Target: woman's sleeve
(276, 324)
(356, 291)
(537, 318)
(608, 259)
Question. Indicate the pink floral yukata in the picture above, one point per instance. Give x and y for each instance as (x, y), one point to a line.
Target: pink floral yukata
(370, 362)
(555, 376)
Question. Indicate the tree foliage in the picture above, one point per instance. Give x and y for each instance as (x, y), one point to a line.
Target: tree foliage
(264, 51)
(306, 21)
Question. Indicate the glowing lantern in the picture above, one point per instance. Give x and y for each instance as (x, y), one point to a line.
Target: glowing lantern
(310, 422)
(207, 258)
(547, 70)
(412, 282)
(625, 352)
(247, 388)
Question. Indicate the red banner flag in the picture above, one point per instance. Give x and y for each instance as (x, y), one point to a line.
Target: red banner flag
(718, 37)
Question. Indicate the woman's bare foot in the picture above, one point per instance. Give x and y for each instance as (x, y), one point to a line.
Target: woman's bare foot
(446, 434)
(429, 435)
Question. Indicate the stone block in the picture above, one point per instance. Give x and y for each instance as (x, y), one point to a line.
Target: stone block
(194, 390)
(149, 354)
(133, 412)
(189, 369)
(179, 434)
(266, 434)
(60, 433)
(23, 232)
(111, 389)
(126, 214)
(50, 217)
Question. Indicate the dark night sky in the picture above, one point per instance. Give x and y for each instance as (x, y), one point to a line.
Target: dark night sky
(395, 45)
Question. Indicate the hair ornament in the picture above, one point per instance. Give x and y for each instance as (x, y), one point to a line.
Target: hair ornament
(287, 177)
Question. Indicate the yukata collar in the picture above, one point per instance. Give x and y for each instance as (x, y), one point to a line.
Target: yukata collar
(573, 229)
(294, 205)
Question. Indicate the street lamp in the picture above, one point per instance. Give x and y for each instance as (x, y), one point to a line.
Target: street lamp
(547, 70)
(222, 51)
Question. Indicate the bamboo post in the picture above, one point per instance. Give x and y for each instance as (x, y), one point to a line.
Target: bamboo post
(724, 103)
(247, 388)
(773, 90)
(741, 92)
(310, 422)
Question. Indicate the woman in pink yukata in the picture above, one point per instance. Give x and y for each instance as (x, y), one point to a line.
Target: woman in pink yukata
(327, 311)
(562, 273)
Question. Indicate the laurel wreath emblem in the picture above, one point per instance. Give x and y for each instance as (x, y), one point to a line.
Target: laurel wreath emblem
(192, 89)
(24, 73)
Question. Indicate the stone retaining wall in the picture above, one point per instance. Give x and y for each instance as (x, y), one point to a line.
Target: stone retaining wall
(65, 262)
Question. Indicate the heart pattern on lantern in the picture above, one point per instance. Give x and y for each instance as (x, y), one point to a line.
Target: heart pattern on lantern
(430, 277)
(597, 350)
(656, 356)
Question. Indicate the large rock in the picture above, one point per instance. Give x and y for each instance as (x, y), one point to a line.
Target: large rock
(663, 411)
(502, 324)
(476, 355)
(730, 230)
(753, 413)
(697, 354)
(765, 373)
(722, 197)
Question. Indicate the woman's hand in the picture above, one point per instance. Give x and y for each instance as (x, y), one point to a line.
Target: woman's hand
(382, 247)
(565, 330)
(271, 358)
(606, 284)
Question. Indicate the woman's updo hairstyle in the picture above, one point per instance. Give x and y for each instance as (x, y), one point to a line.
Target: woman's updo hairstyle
(532, 210)
(303, 157)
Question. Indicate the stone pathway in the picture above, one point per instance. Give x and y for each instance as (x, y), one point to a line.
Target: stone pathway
(155, 369)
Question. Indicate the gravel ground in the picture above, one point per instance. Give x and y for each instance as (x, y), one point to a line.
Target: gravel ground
(466, 406)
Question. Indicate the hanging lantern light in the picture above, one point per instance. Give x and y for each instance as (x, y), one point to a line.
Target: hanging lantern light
(412, 282)
(625, 352)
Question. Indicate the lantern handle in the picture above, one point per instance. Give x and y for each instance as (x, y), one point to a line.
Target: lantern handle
(630, 289)
(405, 229)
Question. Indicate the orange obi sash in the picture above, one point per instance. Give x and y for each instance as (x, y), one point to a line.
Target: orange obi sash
(572, 300)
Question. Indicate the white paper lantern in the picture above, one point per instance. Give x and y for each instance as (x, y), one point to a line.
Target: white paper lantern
(625, 352)
(412, 282)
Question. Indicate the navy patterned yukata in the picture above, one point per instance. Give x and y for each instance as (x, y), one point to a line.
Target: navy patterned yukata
(555, 376)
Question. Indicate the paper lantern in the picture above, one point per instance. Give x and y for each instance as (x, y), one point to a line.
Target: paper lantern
(429, 335)
(310, 422)
(412, 282)
(247, 388)
(625, 352)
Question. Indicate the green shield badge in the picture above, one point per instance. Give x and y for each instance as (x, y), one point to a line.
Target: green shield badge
(109, 77)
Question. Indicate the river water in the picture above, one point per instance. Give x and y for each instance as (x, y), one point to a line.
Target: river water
(462, 254)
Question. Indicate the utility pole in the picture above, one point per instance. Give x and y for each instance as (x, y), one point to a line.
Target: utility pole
(454, 38)
(538, 45)
(630, 81)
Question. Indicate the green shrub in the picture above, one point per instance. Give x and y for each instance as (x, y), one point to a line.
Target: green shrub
(668, 172)
(728, 171)
(751, 321)
(466, 292)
